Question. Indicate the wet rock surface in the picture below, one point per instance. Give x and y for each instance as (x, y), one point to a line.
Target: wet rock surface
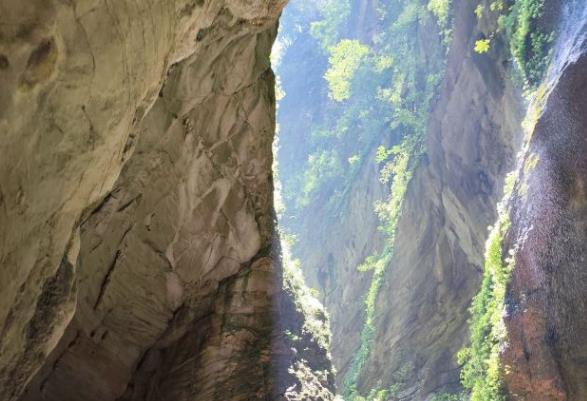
(546, 354)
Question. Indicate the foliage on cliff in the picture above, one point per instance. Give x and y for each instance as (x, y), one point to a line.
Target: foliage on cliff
(374, 96)
(529, 45)
(345, 59)
(482, 372)
(316, 318)
(380, 90)
(520, 22)
(375, 91)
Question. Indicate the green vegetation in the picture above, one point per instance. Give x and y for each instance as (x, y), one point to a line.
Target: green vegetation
(399, 169)
(481, 372)
(450, 397)
(399, 378)
(306, 301)
(531, 162)
(354, 160)
(441, 9)
(334, 16)
(374, 395)
(529, 46)
(345, 59)
(375, 104)
(371, 101)
(482, 46)
(479, 11)
(322, 166)
(377, 92)
(497, 5)
(378, 266)
(412, 82)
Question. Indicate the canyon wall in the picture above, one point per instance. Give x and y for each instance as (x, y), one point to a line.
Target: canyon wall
(138, 254)
(546, 355)
(139, 259)
(473, 135)
(421, 312)
(475, 130)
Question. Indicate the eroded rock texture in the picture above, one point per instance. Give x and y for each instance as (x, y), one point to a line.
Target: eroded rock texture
(473, 133)
(137, 243)
(422, 307)
(546, 354)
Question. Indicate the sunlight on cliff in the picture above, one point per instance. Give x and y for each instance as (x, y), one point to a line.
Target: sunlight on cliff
(359, 85)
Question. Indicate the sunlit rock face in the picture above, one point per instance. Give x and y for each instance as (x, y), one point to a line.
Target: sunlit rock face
(473, 133)
(137, 231)
(546, 354)
(422, 308)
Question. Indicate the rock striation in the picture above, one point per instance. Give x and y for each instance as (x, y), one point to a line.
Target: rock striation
(137, 250)
(473, 134)
(421, 313)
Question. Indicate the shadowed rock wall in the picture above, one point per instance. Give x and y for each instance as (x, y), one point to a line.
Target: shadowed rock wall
(137, 244)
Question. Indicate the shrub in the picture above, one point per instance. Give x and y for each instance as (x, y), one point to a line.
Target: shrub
(334, 15)
(529, 46)
(345, 59)
(482, 46)
(440, 8)
(322, 166)
(481, 371)
(479, 11)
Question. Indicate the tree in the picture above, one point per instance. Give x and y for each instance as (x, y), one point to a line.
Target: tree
(345, 59)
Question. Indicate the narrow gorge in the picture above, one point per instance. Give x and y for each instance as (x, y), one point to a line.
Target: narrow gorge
(303, 200)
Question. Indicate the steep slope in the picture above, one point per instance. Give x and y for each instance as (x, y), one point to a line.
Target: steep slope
(546, 350)
(330, 250)
(421, 308)
(472, 135)
(139, 260)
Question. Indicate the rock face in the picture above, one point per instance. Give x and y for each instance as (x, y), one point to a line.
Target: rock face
(473, 133)
(546, 356)
(345, 245)
(138, 258)
(422, 307)
(329, 246)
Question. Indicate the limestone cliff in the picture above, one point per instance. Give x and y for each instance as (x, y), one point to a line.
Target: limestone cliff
(137, 250)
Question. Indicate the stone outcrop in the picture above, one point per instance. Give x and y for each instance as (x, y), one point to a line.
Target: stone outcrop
(137, 249)
(546, 354)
